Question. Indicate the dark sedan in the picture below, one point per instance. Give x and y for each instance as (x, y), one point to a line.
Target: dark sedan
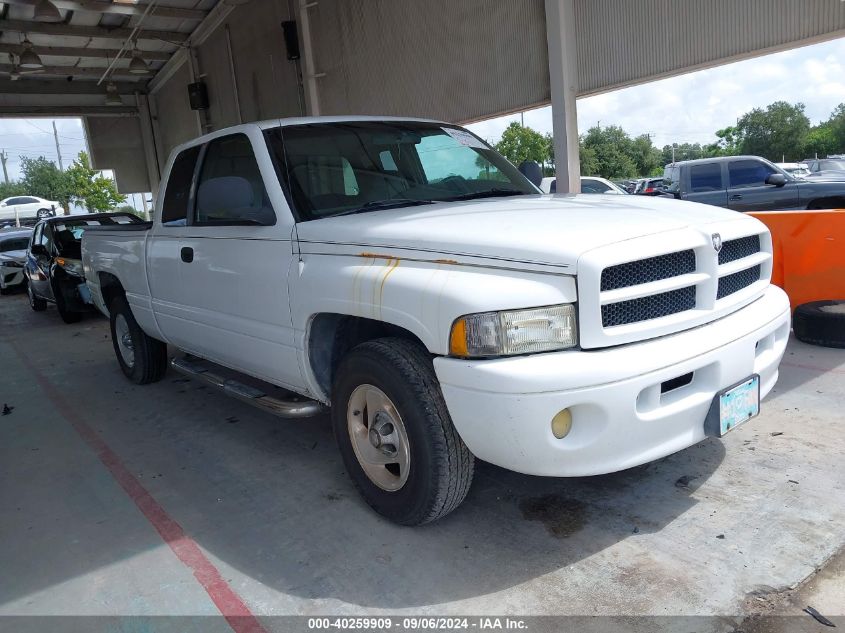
(53, 266)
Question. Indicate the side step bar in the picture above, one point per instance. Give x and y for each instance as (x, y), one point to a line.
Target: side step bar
(257, 398)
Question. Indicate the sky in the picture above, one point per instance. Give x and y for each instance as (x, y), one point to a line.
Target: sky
(690, 108)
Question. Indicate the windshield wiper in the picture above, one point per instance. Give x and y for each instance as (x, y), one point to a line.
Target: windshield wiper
(387, 203)
(488, 193)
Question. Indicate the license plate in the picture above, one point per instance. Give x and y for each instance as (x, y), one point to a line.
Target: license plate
(739, 404)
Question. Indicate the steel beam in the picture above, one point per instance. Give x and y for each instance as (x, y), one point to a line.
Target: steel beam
(72, 30)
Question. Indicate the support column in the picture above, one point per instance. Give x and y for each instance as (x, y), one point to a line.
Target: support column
(563, 76)
(310, 76)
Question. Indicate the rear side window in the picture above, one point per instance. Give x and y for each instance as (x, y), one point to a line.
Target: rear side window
(174, 210)
(230, 190)
(748, 173)
(707, 177)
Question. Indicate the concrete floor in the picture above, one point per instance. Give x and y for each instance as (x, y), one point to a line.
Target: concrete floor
(269, 506)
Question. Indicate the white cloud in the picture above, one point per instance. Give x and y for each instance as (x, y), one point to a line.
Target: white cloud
(34, 138)
(691, 107)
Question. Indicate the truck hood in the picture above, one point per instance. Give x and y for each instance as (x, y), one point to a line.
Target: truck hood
(551, 230)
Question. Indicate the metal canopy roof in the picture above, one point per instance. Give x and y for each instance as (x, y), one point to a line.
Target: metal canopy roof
(79, 48)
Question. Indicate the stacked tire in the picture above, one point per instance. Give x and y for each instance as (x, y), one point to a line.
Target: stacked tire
(820, 323)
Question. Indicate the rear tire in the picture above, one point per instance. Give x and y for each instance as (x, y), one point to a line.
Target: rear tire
(820, 323)
(36, 303)
(142, 358)
(387, 402)
(43, 213)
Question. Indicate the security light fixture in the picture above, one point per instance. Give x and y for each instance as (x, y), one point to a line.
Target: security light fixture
(46, 11)
(137, 66)
(28, 57)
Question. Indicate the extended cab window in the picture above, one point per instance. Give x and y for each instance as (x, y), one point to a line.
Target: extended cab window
(748, 173)
(174, 209)
(707, 177)
(230, 189)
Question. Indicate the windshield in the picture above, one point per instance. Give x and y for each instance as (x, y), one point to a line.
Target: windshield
(671, 178)
(14, 244)
(332, 169)
(68, 234)
(838, 165)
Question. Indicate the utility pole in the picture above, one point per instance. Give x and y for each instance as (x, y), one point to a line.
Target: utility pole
(58, 151)
(3, 157)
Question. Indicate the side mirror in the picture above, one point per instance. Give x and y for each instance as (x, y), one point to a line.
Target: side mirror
(531, 170)
(38, 249)
(778, 180)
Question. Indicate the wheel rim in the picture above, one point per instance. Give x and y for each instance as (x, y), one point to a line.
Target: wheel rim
(43, 213)
(378, 437)
(124, 340)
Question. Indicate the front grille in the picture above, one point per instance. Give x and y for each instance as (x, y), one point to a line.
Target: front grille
(733, 250)
(650, 307)
(646, 270)
(730, 284)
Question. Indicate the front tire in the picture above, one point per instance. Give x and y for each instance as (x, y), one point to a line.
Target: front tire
(36, 303)
(142, 358)
(395, 434)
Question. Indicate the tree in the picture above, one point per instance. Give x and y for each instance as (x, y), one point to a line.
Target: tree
(729, 143)
(612, 150)
(646, 156)
(520, 143)
(90, 188)
(42, 178)
(779, 132)
(821, 141)
(836, 123)
(14, 188)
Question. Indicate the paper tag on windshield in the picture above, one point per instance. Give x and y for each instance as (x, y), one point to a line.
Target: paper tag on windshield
(464, 138)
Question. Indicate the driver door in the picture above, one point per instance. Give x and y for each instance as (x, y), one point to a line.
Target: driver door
(38, 264)
(748, 191)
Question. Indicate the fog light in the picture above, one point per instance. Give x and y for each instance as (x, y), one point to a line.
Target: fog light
(562, 424)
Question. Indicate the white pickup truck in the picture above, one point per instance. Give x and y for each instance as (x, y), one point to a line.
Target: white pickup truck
(405, 274)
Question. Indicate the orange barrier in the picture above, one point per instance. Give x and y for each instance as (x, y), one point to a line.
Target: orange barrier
(809, 253)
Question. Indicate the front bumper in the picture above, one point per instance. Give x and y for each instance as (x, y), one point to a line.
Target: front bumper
(503, 408)
(10, 277)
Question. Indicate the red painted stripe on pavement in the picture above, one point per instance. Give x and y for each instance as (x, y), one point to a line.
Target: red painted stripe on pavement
(230, 604)
(821, 370)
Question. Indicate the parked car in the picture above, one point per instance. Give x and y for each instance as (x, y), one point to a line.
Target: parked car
(53, 266)
(363, 263)
(826, 168)
(13, 244)
(749, 183)
(650, 187)
(796, 170)
(589, 184)
(28, 208)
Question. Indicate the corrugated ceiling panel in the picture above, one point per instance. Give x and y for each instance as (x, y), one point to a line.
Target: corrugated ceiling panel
(447, 59)
(621, 42)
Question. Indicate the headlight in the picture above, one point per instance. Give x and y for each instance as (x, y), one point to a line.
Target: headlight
(73, 266)
(514, 332)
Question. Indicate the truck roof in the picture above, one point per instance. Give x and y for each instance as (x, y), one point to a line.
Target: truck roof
(274, 123)
(714, 159)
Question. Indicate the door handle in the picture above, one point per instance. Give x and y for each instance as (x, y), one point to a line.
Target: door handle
(187, 254)
(736, 196)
